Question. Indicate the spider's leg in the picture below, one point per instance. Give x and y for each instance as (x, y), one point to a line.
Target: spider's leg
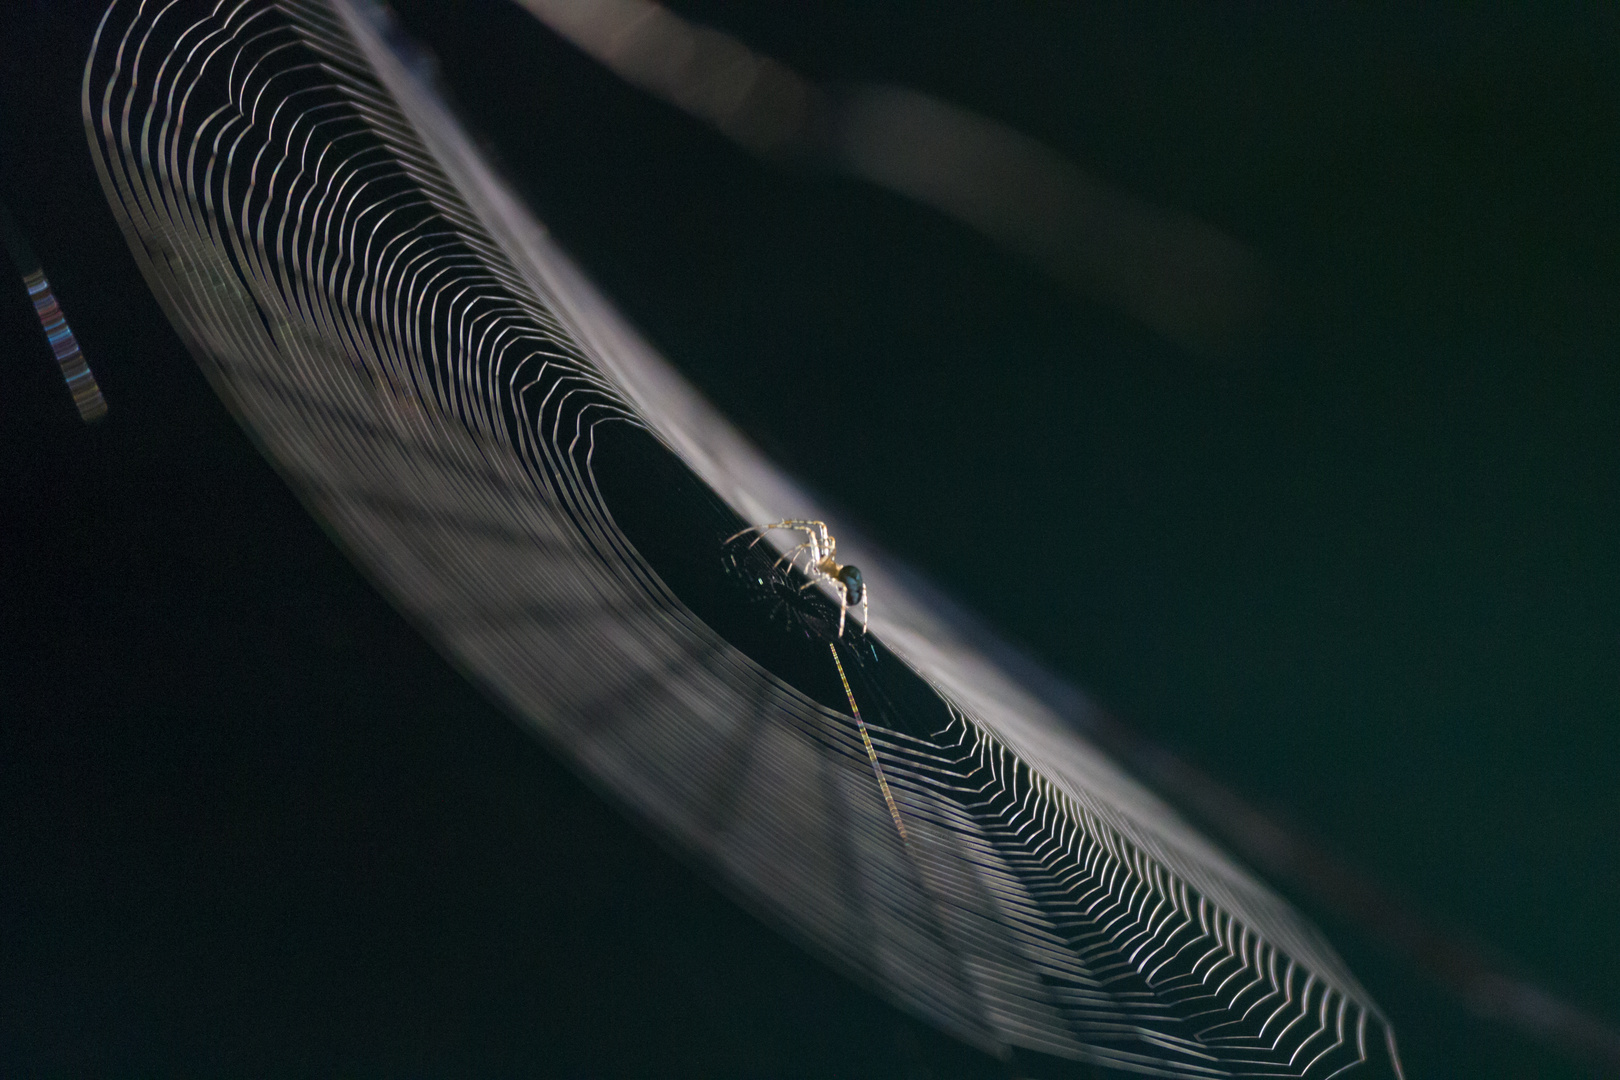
(814, 531)
(843, 609)
(866, 608)
(789, 556)
(761, 529)
(810, 537)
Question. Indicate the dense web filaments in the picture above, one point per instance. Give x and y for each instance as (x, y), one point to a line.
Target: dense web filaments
(443, 389)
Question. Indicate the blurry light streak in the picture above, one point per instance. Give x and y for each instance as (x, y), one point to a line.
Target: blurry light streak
(81, 381)
(1181, 277)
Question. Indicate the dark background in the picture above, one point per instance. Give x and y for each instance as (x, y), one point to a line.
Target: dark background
(1367, 571)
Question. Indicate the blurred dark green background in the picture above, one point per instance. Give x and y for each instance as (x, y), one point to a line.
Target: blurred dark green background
(1367, 572)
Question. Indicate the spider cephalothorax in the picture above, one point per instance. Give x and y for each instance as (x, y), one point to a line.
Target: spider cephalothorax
(816, 557)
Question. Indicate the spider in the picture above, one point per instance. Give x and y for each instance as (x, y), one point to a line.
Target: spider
(819, 549)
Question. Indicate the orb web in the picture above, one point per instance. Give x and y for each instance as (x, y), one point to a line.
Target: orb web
(548, 501)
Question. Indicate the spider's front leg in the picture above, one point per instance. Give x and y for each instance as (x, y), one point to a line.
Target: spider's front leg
(791, 525)
(815, 540)
(760, 529)
(791, 557)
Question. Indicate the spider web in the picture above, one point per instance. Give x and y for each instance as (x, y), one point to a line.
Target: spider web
(549, 502)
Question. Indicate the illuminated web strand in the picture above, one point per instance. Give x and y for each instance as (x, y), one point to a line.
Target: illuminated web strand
(866, 740)
(81, 382)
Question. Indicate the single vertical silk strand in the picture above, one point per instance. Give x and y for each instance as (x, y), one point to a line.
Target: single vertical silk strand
(871, 751)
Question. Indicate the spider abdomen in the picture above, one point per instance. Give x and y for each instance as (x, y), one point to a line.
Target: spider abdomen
(850, 576)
